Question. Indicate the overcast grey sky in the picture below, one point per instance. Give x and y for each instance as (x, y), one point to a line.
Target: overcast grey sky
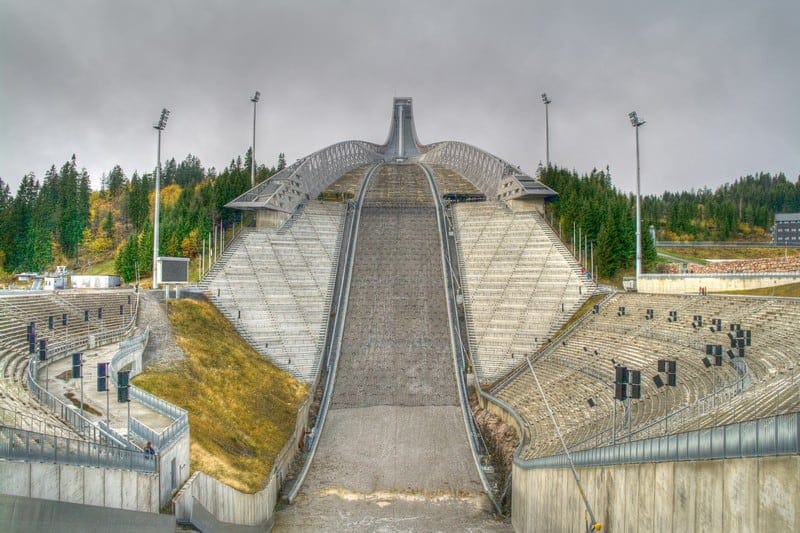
(717, 81)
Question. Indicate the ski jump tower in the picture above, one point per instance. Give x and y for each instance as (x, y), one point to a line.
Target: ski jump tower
(276, 198)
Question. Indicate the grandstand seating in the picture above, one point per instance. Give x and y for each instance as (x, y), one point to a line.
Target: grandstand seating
(17, 311)
(519, 282)
(276, 286)
(581, 364)
(451, 182)
(347, 186)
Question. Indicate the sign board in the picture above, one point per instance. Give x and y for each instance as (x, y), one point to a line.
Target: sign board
(173, 270)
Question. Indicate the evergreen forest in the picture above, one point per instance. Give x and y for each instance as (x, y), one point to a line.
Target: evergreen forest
(61, 220)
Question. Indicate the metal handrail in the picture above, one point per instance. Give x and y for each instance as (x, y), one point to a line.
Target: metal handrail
(775, 435)
(32, 446)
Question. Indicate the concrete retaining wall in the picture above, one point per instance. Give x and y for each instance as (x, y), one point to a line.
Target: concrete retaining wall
(227, 504)
(754, 494)
(691, 283)
(117, 489)
(174, 467)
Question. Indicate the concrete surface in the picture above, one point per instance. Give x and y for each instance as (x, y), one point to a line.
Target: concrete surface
(753, 494)
(394, 454)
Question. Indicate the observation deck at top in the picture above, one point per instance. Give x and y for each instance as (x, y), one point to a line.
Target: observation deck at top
(276, 198)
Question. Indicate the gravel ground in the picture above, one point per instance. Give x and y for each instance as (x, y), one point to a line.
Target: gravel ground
(162, 346)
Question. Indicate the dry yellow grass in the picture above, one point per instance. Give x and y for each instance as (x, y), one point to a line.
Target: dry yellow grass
(242, 409)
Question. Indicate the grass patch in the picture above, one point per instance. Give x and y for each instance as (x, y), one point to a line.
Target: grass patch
(242, 408)
(101, 268)
(585, 308)
(791, 290)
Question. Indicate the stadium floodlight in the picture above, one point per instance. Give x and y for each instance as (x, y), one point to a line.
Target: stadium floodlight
(546, 101)
(162, 123)
(636, 122)
(256, 97)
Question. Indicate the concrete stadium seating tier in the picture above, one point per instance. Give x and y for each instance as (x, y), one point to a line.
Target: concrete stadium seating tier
(451, 182)
(519, 282)
(276, 286)
(17, 311)
(348, 185)
(580, 366)
(396, 323)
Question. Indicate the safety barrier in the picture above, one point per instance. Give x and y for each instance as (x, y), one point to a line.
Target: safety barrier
(777, 435)
(31, 446)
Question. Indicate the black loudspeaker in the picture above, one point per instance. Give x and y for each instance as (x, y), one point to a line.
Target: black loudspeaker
(129, 299)
(662, 365)
(741, 352)
(672, 380)
(102, 378)
(658, 381)
(121, 309)
(635, 392)
(621, 375)
(63, 319)
(718, 360)
(747, 341)
(122, 386)
(76, 365)
(590, 401)
(706, 362)
(672, 367)
(50, 322)
(620, 391)
(740, 334)
(636, 377)
(86, 315)
(32, 343)
(709, 349)
(30, 330)
(730, 353)
(42, 349)
(718, 349)
(99, 312)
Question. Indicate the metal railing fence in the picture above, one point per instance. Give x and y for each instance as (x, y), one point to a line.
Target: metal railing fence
(31, 446)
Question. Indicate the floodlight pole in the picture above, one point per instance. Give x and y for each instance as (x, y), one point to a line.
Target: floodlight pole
(162, 123)
(636, 122)
(254, 99)
(546, 101)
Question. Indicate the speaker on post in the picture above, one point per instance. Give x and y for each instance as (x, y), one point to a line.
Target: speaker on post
(102, 377)
(658, 381)
(123, 379)
(76, 365)
(636, 384)
(707, 363)
(620, 391)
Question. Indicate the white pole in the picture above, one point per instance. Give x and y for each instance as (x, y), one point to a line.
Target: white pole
(253, 150)
(157, 209)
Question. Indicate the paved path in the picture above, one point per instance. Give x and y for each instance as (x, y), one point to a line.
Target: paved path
(117, 413)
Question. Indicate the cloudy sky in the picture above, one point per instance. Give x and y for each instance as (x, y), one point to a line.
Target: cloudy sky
(717, 81)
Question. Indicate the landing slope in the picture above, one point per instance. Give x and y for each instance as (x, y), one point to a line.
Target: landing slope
(394, 452)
